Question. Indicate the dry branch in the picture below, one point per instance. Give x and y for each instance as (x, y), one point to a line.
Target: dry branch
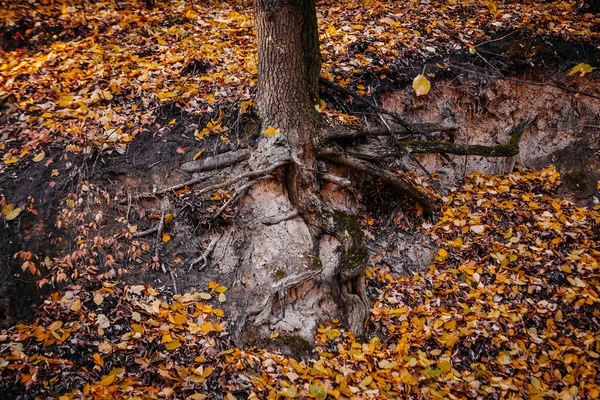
(424, 129)
(502, 150)
(216, 162)
(144, 233)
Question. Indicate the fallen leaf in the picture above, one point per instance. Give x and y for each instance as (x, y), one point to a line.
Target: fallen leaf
(421, 85)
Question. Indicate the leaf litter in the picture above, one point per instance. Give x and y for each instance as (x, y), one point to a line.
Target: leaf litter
(509, 309)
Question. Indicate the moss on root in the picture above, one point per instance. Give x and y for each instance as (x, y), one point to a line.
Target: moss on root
(356, 253)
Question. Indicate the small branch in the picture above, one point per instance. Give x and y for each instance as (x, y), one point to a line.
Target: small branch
(338, 180)
(424, 129)
(159, 232)
(274, 220)
(217, 162)
(194, 180)
(202, 178)
(145, 233)
(406, 185)
(502, 150)
(205, 254)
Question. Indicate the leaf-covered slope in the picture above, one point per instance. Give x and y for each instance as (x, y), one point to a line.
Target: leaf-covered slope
(509, 309)
(90, 75)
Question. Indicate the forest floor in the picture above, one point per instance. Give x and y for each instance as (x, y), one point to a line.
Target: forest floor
(102, 101)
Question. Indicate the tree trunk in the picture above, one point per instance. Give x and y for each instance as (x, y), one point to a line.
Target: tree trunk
(297, 262)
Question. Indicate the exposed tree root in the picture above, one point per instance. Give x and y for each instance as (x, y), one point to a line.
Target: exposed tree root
(424, 129)
(503, 150)
(281, 218)
(159, 242)
(228, 182)
(338, 180)
(338, 157)
(216, 162)
(204, 258)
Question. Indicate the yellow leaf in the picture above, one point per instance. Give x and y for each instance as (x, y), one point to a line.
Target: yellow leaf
(206, 327)
(581, 69)
(137, 328)
(168, 218)
(270, 131)
(291, 391)
(13, 214)
(221, 289)
(198, 154)
(98, 359)
(274, 334)
(222, 297)
(172, 345)
(39, 157)
(76, 305)
(107, 95)
(54, 326)
(165, 95)
(166, 237)
(107, 380)
(421, 85)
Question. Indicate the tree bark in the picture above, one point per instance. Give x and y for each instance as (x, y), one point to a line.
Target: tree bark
(299, 262)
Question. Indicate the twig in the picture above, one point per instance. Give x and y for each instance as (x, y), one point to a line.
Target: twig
(174, 281)
(194, 180)
(159, 232)
(205, 255)
(217, 162)
(128, 206)
(144, 233)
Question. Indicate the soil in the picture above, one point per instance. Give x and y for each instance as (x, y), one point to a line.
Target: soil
(566, 133)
